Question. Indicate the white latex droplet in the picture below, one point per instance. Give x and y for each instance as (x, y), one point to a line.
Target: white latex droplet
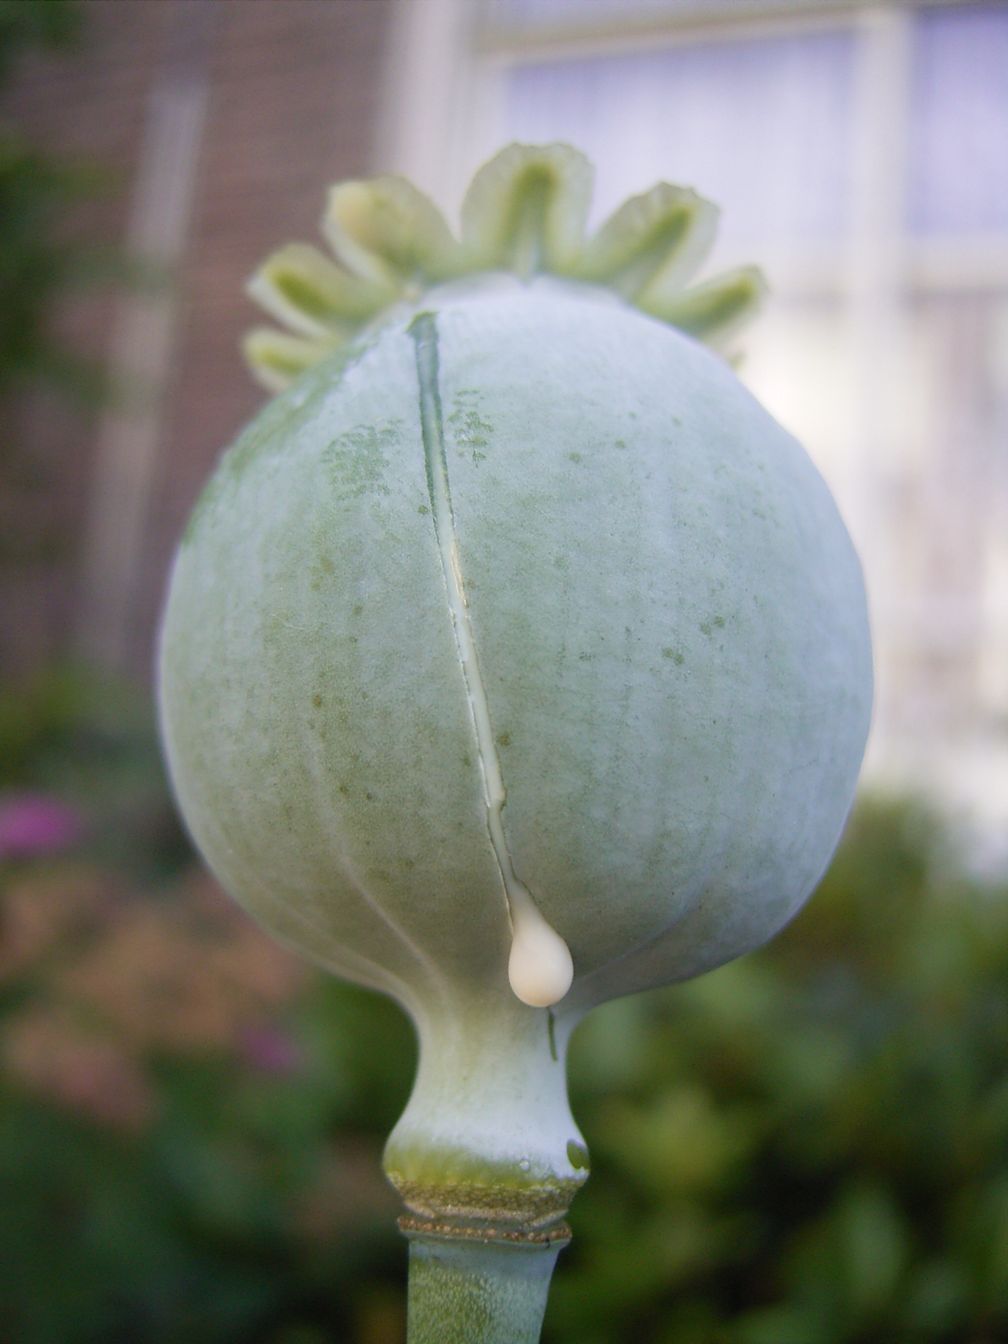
(540, 967)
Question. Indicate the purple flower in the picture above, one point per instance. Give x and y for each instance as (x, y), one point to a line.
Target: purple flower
(270, 1050)
(32, 825)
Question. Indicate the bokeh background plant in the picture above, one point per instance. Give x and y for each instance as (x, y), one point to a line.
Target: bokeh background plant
(810, 1145)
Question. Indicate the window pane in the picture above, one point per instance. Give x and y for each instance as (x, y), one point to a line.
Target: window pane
(959, 121)
(762, 127)
(947, 509)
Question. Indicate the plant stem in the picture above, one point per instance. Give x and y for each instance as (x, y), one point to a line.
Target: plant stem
(488, 1140)
(487, 1158)
(468, 1288)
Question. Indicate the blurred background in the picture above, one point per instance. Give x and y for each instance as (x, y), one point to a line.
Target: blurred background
(806, 1147)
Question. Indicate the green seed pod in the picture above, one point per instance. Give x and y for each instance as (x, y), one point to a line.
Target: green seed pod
(513, 652)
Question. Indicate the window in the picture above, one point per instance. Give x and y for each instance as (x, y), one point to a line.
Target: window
(860, 155)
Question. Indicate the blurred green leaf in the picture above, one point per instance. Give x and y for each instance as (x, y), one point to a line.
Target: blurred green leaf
(35, 23)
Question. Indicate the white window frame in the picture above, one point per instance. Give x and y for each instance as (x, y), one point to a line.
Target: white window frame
(448, 64)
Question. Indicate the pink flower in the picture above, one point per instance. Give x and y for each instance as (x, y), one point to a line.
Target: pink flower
(33, 824)
(270, 1050)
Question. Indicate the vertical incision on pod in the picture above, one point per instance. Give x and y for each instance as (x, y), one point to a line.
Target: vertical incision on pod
(539, 968)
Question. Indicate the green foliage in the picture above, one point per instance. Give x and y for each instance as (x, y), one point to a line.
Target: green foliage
(90, 739)
(809, 1146)
(232, 1216)
(25, 24)
(38, 263)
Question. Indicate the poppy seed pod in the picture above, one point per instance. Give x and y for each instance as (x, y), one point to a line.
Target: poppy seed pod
(515, 658)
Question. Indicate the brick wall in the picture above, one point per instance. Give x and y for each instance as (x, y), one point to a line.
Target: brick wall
(292, 94)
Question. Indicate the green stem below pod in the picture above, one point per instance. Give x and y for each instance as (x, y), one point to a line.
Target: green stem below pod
(465, 1288)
